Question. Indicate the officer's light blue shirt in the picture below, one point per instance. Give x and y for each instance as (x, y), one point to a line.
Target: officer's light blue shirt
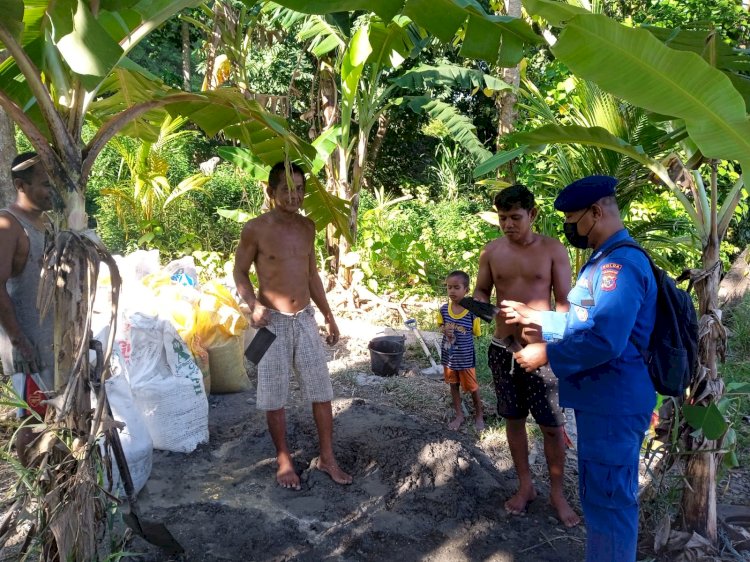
(599, 368)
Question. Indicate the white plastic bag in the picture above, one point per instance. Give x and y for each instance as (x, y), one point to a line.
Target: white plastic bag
(134, 437)
(182, 271)
(167, 385)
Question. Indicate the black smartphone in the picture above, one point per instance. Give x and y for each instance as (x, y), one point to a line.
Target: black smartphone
(259, 345)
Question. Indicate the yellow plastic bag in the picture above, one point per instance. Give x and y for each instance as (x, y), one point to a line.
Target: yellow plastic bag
(219, 317)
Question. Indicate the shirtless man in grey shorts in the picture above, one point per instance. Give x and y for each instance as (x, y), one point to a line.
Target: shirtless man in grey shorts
(531, 267)
(280, 243)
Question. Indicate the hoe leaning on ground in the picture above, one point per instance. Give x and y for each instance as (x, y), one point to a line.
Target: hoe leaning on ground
(434, 370)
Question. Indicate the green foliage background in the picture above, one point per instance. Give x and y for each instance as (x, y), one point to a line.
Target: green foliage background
(410, 246)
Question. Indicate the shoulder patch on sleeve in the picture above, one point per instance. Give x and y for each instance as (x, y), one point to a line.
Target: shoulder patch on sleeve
(610, 271)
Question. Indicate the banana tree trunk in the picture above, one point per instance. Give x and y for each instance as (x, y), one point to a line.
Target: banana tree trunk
(699, 495)
(213, 45)
(350, 191)
(384, 120)
(327, 115)
(185, 32)
(7, 153)
(67, 309)
(505, 101)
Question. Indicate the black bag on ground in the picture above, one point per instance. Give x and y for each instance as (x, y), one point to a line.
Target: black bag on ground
(672, 353)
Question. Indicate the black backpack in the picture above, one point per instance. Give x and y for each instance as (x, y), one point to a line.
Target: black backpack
(672, 353)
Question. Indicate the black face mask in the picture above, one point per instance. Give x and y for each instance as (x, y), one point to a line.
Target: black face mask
(570, 229)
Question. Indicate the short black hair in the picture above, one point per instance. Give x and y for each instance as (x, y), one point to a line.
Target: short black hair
(460, 274)
(517, 195)
(278, 174)
(27, 174)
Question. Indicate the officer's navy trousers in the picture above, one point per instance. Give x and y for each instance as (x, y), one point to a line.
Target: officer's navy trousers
(608, 449)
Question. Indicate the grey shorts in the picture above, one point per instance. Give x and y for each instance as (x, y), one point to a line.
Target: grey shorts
(299, 349)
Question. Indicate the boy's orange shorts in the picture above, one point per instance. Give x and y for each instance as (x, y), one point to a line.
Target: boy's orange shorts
(467, 378)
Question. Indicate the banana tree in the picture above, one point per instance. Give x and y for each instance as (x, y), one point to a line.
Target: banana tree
(372, 79)
(143, 193)
(685, 84)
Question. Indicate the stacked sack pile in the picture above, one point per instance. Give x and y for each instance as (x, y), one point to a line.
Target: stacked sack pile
(176, 342)
(209, 320)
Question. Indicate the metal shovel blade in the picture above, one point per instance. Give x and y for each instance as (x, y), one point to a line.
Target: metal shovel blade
(259, 345)
(484, 310)
(154, 533)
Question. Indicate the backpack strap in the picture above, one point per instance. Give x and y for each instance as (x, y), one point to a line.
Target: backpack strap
(592, 271)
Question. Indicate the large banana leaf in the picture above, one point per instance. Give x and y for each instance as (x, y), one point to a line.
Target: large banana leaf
(65, 41)
(633, 65)
(12, 11)
(124, 89)
(352, 65)
(90, 45)
(16, 89)
(84, 44)
(320, 206)
(386, 9)
(246, 161)
(460, 127)
(323, 209)
(425, 76)
(323, 34)
(594, 136)
(492, 38)
(716, 52)
(393, 42)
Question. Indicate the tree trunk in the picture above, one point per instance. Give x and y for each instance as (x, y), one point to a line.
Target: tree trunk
(736, 283)
(505, 102)
(185, 28)
(384, 120)
(327, 114)
(7, 153)
(699, 495)
(213, 45)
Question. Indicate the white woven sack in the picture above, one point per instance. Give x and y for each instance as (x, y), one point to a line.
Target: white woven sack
(167, 385)
(135, 438)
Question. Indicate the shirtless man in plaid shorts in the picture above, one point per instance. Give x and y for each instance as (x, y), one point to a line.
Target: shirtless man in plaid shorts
(280, 243)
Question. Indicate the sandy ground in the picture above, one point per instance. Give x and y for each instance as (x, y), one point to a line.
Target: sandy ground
(420, 491)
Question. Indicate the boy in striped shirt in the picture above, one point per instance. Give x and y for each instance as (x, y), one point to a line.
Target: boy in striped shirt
(459, 326)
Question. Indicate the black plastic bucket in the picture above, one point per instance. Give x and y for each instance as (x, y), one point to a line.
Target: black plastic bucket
(386, 353)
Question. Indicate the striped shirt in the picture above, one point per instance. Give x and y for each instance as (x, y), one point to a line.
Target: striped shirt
(465, 326)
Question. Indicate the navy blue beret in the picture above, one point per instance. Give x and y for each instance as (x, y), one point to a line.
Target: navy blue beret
(584, 193)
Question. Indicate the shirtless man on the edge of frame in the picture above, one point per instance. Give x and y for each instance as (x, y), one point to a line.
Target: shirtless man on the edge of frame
(281, 245)
(526, 267)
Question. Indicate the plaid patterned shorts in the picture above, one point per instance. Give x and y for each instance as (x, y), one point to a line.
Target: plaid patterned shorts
(297, 348)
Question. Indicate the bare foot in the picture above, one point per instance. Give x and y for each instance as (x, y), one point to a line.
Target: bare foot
(285, 475)
(479, 423)
(334, 471)
(518, 503)
(456, 423)
(566, 514)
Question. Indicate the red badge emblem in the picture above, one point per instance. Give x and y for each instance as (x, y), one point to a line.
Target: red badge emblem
(609, 280)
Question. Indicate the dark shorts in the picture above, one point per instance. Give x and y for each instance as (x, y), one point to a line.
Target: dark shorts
(519, 392)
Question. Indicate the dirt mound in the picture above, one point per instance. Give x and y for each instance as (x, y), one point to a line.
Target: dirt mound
(419, 493)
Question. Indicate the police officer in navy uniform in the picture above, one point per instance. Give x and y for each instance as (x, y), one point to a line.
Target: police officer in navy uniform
(593, 350)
